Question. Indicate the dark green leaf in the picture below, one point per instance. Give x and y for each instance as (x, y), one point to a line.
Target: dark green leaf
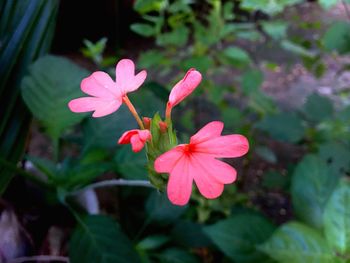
(129, 164)
(276, 29)
(100, 240)
(202, 63)
(318, 108)
(178, 37)
(251, 81)
(337, 37)
(104, 132)
(266, 154)
(52, 83)
(238, 236)
(190, 234)
(283, 126)
(297, 243)
(337, 219)
(297, 49)
(312, 184)
(152, 242)
(176, 255)
(159, 208)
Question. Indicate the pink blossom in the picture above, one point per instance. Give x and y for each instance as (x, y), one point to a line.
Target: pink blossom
(106, 94)
(136, 137)
(197, 161)
(184, 87)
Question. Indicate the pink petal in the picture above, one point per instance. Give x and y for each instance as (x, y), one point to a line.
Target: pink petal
(228, 146)
(100, 84)
(221, 171)
(184, 87)
(144, 135)
(166, 162)
(136, 143)
(179, 186)
(211, 130)
(125, 138)
(205, 179)
(100, 106)
(125, 76)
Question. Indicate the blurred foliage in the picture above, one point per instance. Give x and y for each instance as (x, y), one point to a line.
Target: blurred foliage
(26, 30)
(312, 167)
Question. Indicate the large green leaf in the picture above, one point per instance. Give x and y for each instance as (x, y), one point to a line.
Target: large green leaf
(312, 184)
(283, 126)
(26, 30)
(297, 243)
(337, 219)
(251, 81)
(318, 108)
(160, 210)
(337, 37)
(104, 132)
(238, 236)
(52, 82)
(129, 164)
(99, 239)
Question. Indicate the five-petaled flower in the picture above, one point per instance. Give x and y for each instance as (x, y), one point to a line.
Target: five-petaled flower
(197, 161)
(107, 95)
(136, 137)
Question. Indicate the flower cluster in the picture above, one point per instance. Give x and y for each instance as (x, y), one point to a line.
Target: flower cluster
(175, 165)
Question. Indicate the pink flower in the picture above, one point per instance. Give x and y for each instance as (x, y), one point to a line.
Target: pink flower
(137, 138)
(183, 88)
(197, 161)
(106, 94)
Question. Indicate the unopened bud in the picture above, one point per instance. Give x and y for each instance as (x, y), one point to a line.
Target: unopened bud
(163, 126)
(147, 122)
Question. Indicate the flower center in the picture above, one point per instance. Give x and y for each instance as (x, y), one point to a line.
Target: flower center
(189, 148)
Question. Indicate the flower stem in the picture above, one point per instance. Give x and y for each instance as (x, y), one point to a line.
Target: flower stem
(133, 111)
(114, 182)
(168, 113)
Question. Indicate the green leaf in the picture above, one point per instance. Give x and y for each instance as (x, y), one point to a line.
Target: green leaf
(100, 240)
(283, 126)
(178, 37)
(159, 208)
(145, 6)
(104, 132)
(52, 82)
(312, 184)
(271, 7)
(150, 58)
(129, 164)
(337, 155)
(297, 243)
(202, 63)
(238, 235)
(297, 49)
(26, 31)
(318, 108)
(190, 234)
(176, 255)
(266, 154)
(337, 219)
(276, 29)
(237, 55)
(145, 30)
(337, 37)
(251, 81)
(152, 242)
(327, 4)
